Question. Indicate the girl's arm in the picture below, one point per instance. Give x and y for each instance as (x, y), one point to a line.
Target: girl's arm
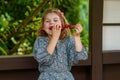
(40, 52)
(76, 51)
(51, 45)
(78, 43)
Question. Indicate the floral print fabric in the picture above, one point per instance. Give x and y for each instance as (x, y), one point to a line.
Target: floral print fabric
(58, 65)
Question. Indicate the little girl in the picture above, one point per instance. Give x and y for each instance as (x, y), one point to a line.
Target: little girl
(55, 49)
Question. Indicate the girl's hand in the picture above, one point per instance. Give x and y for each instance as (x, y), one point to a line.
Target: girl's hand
(78, 30)
(56, 31)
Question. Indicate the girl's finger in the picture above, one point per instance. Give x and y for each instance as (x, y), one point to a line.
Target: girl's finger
(77, 31)
(54, 27)
(58, 27)
(79, 27)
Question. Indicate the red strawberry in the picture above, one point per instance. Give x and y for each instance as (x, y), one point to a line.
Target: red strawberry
(65, 26)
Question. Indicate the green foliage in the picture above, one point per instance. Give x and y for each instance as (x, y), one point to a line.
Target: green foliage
(20, 20)
(12, 15)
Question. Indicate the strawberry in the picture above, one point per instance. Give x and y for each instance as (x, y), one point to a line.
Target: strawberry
(65, 26)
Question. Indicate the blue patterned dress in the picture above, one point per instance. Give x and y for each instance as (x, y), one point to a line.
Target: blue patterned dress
(58, 65)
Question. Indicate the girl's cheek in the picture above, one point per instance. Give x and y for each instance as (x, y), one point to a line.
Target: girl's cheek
(46, 26)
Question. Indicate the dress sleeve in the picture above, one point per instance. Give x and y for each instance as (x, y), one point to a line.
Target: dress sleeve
(75, 56)
(40, 52)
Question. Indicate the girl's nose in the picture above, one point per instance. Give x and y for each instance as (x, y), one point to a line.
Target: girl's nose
(51, 22)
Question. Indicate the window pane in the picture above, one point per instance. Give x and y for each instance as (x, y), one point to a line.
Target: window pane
(111, 12)
(111, 38)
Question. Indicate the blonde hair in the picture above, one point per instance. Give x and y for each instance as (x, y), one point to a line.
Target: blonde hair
(64, 33)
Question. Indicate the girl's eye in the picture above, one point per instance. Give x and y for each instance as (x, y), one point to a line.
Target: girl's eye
(55, 20)
(47, 21)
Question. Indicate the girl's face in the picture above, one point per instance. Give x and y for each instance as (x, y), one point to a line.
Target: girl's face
(51, 20)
